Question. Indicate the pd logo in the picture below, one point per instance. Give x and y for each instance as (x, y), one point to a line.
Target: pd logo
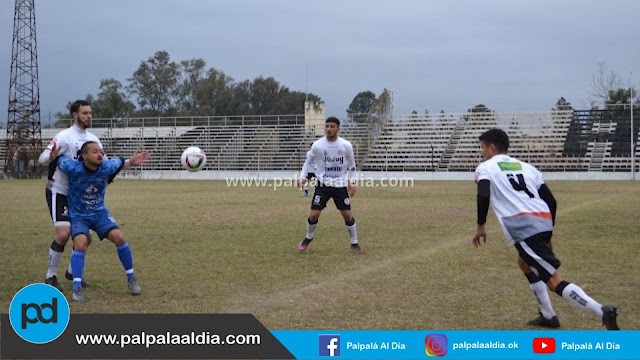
(544, 345)
(39, 313)
(436, 345)
(329, 345)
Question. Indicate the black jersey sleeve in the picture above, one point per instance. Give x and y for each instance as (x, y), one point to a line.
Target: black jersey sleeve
(484, 194)
(547, 196)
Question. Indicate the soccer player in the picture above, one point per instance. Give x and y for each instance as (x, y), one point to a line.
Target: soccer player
(88, 180)
(335, 167)
(68, 143)
(311, 173)
(526, 210)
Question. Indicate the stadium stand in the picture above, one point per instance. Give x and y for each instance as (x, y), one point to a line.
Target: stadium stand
(3, 149)
(411, 144)
(449, 142)
(592, 140)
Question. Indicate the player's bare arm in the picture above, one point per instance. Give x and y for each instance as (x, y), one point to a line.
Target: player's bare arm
(139, 157)
(352, 187)
(480, 236)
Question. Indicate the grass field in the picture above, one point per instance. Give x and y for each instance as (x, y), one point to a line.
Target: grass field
(201, 247)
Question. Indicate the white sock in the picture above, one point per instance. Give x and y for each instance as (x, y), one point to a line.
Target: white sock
(306, 186)
(539, 290)
(353, 233)
(54, 261)
(578, 298)
(69, 268)
(310, 229)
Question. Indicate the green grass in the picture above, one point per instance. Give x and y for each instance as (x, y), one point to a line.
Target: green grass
(200, 247)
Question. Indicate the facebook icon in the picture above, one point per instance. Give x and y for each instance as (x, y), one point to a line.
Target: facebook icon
(329, 345)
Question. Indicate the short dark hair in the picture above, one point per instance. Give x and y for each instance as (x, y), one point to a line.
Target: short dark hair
(76, 105)
(497, 137)
(85, 147)
(333, 119)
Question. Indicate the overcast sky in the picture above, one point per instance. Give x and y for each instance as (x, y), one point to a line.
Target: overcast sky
(512, 55)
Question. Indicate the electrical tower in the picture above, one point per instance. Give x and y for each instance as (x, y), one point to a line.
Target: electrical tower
(24, 137)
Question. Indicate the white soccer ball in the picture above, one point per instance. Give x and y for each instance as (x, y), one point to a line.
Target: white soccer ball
(193, 159)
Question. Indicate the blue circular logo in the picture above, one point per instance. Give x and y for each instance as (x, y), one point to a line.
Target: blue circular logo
(39, 313)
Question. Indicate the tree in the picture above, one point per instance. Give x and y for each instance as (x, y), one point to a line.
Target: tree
(111, 101)
(620, 99)
(264, 95)
(603, 81)
(204, 93)
(562, 105)
(361, 105)
(165, 88)
(292, 102)
(217, 91)
(240, 103)
(608, 90)
(192, 76)
(480, 108)
(155, 84)
(64, 117)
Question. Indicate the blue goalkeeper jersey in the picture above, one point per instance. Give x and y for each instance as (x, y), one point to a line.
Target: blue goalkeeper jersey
(87, 188)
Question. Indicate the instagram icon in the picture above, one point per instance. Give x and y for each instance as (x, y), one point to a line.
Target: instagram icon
(436, 345)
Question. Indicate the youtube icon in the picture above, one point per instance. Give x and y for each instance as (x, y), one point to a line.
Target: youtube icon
(544, 345)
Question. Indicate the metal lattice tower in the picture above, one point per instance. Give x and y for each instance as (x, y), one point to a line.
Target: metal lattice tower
(24, 136)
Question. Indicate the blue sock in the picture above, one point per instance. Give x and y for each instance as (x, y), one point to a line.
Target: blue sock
(77, 268)
(124, 253)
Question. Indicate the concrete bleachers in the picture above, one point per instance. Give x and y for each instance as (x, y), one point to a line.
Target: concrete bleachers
(449, 142)
(440, 142)
(537, 138)
(613, 163)
(233, 147)
(3, 150)
(410, 144)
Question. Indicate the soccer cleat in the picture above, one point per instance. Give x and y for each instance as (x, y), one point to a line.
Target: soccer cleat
(78, 295)
(304, 244)
(68, 276)
(356, 249)
(134, 286)
(609, 317)
(305, 194)
(541, 321)
(53, 281)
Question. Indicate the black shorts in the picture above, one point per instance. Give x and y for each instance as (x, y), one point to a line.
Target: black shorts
(537, 253)
(322, 194)
(58, 208)
(311, 175)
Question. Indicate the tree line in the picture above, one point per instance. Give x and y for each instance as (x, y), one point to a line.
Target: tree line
(162, 87)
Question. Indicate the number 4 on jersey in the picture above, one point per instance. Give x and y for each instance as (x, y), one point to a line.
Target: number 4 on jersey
(520, 185)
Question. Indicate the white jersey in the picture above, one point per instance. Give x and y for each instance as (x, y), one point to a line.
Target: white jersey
(309, 164)
(68, 142)
(334, 162)
(514, 197)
